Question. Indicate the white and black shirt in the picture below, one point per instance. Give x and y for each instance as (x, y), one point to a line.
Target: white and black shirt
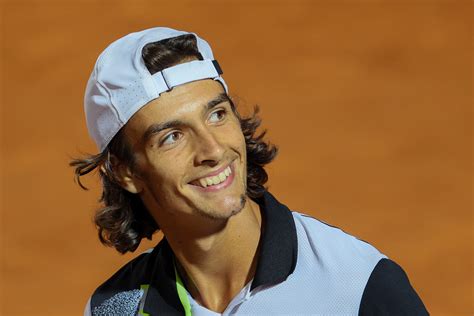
(304, 267)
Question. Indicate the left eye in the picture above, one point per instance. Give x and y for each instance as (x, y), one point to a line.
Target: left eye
(217, 116)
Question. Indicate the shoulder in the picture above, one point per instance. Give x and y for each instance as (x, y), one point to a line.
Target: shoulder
(329, 240)
(389, 292)
(384, 286)
(122, 292)
(344, 262)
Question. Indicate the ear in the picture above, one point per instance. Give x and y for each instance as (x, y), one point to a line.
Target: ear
(127, 179)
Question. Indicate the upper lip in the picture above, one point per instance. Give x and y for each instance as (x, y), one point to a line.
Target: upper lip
(213, 173)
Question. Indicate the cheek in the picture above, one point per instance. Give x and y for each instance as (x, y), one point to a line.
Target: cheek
(234, 136)
(243, 146)
(162, 188)
(158, 177)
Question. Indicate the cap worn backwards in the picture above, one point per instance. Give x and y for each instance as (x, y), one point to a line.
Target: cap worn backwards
(120, 83)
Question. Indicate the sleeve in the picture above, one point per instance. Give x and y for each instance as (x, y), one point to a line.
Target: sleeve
(87, 309)
(389, 292)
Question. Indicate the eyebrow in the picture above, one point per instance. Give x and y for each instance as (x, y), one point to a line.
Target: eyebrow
(158, 127)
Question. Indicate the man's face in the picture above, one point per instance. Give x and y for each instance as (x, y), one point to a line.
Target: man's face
(190, 154)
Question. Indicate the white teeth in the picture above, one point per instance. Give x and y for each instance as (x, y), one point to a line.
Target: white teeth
(205, 182)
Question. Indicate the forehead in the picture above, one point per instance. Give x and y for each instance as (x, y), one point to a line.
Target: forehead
(181, 102)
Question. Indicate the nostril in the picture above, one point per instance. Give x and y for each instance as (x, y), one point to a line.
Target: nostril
(211, 163)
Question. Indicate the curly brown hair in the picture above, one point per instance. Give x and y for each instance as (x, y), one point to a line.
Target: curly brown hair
(123, 220)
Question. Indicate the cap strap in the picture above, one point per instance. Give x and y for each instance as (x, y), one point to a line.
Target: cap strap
(186, 72)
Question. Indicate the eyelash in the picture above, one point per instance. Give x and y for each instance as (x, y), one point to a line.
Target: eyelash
(223, 111)
(169, 135)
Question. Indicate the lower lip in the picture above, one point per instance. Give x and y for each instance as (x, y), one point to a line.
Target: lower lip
(214, 188)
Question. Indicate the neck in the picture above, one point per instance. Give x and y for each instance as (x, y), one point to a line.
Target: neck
(215, 267)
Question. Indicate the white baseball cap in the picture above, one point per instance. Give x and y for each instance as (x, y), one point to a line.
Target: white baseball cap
(120, 83)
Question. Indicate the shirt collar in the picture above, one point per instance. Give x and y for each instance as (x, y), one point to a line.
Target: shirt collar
(276, 259)
(278, 243)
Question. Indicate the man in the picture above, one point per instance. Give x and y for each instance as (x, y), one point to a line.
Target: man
(176, 155)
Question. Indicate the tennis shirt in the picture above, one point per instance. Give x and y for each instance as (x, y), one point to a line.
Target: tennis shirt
(304, 267)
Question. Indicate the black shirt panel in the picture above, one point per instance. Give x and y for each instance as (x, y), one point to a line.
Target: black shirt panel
(389, 292)
(278, 243)
(162, 297)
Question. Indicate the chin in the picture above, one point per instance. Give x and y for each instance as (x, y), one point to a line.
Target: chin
(227, 208)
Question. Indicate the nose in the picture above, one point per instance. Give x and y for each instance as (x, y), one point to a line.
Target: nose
(208, 150)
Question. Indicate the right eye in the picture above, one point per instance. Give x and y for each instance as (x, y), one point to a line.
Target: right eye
(171, 138)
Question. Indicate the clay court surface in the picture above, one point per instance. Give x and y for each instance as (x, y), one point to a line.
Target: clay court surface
(370, 103)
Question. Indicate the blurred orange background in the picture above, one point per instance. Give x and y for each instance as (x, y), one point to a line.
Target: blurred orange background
(369, 101)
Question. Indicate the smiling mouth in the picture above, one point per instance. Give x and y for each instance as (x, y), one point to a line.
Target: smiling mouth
(215, 180)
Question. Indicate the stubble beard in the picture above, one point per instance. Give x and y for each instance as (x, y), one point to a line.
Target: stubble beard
(219, 216)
